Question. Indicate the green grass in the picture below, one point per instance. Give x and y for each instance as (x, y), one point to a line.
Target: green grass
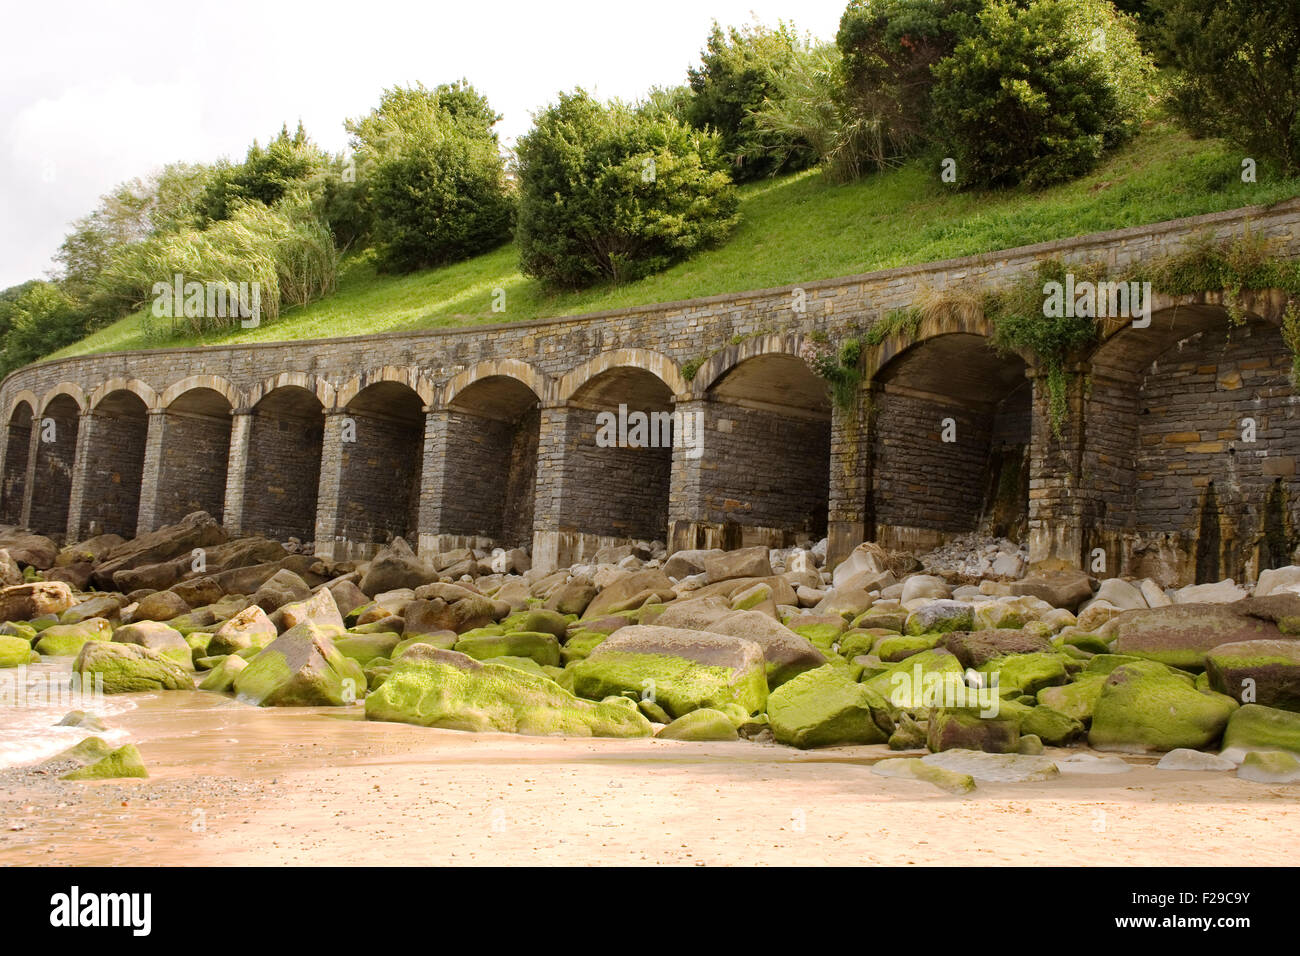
(795, 230)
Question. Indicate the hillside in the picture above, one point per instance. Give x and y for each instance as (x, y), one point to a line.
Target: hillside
(796, 229)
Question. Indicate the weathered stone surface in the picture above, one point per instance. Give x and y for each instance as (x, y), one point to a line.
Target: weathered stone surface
(196, 530)
(867, 558)
(969, 729)
(123, 762)
(1147, 707)
(129, 668)
(1181, 635)
(348, 597)
(239, 553)
(1262, 672)
(158, 637)
(786, 653)
(221, 678)
(319, 609)
(301, 667)
(542, 648)
(16, 651)
(26, 602)
(1256, 727)
(914, 768)
(940, 617)
(1194, 760)
(249, 627)
(700, 725)
(687, 562)
(396, 566)
(432, 616)
(1270, 768)
(573, 597)
(976, 648)
(107, 606)
(824, 708)
(33, 550)
(918, 586)
(1276, 580)
(995, 767)
(66, 640)
(160, 606)
(1064, 588)
(632, 590)
(742, 563)
(281, 588)
(1221, 592)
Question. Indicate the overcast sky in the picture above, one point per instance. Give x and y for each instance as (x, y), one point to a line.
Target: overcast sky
(94, 93)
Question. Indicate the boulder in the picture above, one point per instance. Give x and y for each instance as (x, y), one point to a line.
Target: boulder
(121, 763)
(1182, 634)
(940, 617)
(685, 563)
(158, 637)
(432, 616)
(966, 728)
(540, 647)
(250, 627)
(743, 563)
(787, 654)
(994, 767)
(1276, 580)
(976, 648)
(239, 553)
(1257, 672)
(700, 725)
(1281, 608)
(26, 602)
(396, 566)
(301, 667)
(456, 692)
(33, 550)
(1194, 760)
(1064, 588)
(129, 668)
(824, 708)
(10, 573)
(1121, 594)
(914, 768)
(319, 609)
(630, 591)
(196, 530)
(573, 597)
(107, 606)
(681, 670)
(364, 648)
(1256, 727)
(66, 640)
(1147, 707)
(925, 586)
(540, 621)
(1275, 767)
(160, 606)
(867, 558)
(1221, 592)
(281, 588)
(348, 597)
(15, 651)
(221, 678)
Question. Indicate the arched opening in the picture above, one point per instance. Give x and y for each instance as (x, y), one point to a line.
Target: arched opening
(1194, 440)
(621, 456)
(192, 460)
(379, 486)
(56, 452)
(117, 431)
(13, 484)
(951, 421)
(284, 453)
(490, 472)
(769, 442)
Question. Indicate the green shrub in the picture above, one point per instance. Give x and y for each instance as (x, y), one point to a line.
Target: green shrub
(1039, 93)
(611, 192)
(265, 176)
(37, 318)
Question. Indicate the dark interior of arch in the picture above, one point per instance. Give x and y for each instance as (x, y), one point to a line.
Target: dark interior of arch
(490, 471)
(284, 455)
(379, 494)
(56, 451)
(1169, 455)
(619, 492)
(193, 456)
(13, 484)
(952, 386)
(117, 430)
(768, 439)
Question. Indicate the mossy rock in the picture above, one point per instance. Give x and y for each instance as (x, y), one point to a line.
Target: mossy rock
(703, 724)
(89, 751)
(899, 647)
(474, 633)
(1051, 726)
(1076, 699)
(677, 684)
(15, 651)
(198, 642)
(1257, 672)
(653, 711)
(123, 762)
(908, 683)
(941, 616)
(527, 665)
(821, 634)
(881, 620)
(825, 708)
(1147, 707)
(968, 728)
(542, 648)
(1270, 767)
(222, 677)
(1084, 641)
(860, 641)
(445, 641)
(67, 640)
(580, 645)
(19, 629)
(913, 768)
(537, 622)
(459, 693)
(908, 734)
(1026, 673)
(363, 648)
(129, 668)
(301, 667)
(1256, 727)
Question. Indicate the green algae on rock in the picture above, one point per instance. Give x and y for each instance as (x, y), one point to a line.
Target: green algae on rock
(301, 668)
(125, 761)
(823, 708)
(1148, 707)
(129, 668)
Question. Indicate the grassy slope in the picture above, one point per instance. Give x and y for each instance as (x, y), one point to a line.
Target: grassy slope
(795, 230)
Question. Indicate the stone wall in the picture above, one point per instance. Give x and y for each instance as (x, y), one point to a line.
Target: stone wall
(194, 453)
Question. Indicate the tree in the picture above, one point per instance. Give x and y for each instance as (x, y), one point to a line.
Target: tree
(433, 175)
(738, 71)
(1038, 93)
(613, 192)
(1238, 69)
(41, 319)
(265, 175)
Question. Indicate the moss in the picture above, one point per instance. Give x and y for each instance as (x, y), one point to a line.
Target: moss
(89, 751)
(1052, 726)
(1076, 699)
(1026, 673)
(123, 762)
(222, 677)
(525, 664)
(1256, 727)
(580, 645)
(898, 647)
(824, 708)
(676, 684)
(15, 651)
(66, 640)
(129, 668)
(542, 648)
(492, 697)
(1147, 707)
(363, 648)
(822, 634)
(301, 667)
(898, 683)
(700, 725)
(913, 768)
(444, 641)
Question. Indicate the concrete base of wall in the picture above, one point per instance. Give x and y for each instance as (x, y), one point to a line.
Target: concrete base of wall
(430, 544)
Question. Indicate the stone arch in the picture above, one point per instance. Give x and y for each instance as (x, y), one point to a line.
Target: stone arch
(286, 437)
(950, 435)
(56, 452)
(933, 324)
(213, 383)
(27, 396)
(660, 366)
(70, 390)
(722, 362)
(117, 432)
(1176, 489)
(324, 392)
(406, 375)
(194, 448)
(17, 448)
(521, 372)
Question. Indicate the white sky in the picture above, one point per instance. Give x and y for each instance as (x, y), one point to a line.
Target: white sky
(97, 92)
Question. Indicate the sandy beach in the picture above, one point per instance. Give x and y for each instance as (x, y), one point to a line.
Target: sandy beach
(234, 785)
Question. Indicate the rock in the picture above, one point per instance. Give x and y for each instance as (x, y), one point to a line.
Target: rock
(572, 597)
(918, 586)
(455, 692)
(940, 617)
(281, 588)
(33, 550)
(844, 602)
(1146, 707)
(1063, 588)
(1095, 614)
(681, 670)
(1185, 759)
(364, 648)
(129, 668)
(66, 640)
(107, 606)
(1222, 592)
(700, 725)
(786, 653)
(542, 648)
(10, 573)
(319, 609)
(1026, 673)
(348, 597)
(1270, 768)
(301, 667)
(396, 566)
(1260, 672)
(15, 651)
(1075, 700)
(1154, 594)
(823, 708)
(221, 678)
(174, 572)
(26, 602)
(1256, 727)
(1030, 745)
(1090, 763)
(196, 530)
(76, 576)
(1121, 594)
(1051, 726)
(966, 728)
(914, 768)
(157, 637)
(1275, 580)
(632, 590)
(995, 767)
(1181, 635)
(249, 628)
(866, 558)
(540, 622)
(432, 616)
(160, 606)
(512, 561)
(123, 762)
(742, 563)
(976, 648)
(688, 562)
(1281, 608)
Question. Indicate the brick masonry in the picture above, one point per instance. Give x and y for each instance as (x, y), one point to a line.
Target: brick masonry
(285, 473)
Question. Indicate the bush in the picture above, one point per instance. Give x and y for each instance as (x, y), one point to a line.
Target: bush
(615, 192)
(1038, 93)
(434, 176)
(40, 318)
(739, 69)
(1238, 68)
(265, 175)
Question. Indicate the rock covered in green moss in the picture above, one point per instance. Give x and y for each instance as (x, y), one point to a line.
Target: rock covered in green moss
(703, 724)
(455, 692)
(1026, 673)
(363, 648)
(249, 628)
(1270, 767)
(1148, 707)
(1256, 727)
(15, 651)
(823, 708)
(1011, 767)
(301, 668)
(88, 751)
(970, 728)
(1257, 672)
(129, 668)
(125, 761)
(914, 768)
(1182, 634)
(66, 640)
(159, 637)
(222, 677)
(542, 647)
(940, 617)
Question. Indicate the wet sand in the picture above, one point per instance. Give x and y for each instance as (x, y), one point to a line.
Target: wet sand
(234, 785)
